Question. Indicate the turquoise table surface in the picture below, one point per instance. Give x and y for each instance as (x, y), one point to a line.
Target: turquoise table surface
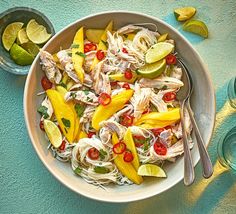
(25, 184)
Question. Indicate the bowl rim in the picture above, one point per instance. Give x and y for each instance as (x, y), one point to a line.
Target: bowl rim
(38, 13)
(207, 73)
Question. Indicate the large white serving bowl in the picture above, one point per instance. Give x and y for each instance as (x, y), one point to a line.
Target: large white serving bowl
(202, 101)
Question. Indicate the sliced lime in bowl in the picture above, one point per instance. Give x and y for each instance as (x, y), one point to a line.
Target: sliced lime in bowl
(152, 70)
(151, 170)
(22, 36)
(158, 52)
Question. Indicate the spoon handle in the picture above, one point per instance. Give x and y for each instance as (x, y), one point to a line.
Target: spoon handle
(188, 165)
(207, 169)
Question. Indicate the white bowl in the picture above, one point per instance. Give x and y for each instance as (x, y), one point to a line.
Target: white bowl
(203, 104)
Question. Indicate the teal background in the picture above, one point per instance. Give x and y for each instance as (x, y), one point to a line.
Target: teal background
(25, 184)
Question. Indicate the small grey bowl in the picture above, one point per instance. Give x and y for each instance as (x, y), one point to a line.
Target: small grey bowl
(20, 14)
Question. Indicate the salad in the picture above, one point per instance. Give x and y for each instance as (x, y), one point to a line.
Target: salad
(109, 104)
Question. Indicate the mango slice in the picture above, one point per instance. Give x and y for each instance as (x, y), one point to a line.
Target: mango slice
(125, 168)
(63, 91)
(128, 140)
(63, 113)
(117, 103)
(78, 53)
(102, 43)
(121, 78)
(159, 119)
(94, 35)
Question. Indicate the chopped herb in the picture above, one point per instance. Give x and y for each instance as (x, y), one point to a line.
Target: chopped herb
(105, 43)
(169, 106)
(63, 85)
(65, 122)
(86, 92)
(73, 95)
(101, 169)
(79, 109)
(164, 87)
(89, 99)
(145, 146)
(66, 130)
(74, 46)
(102, 154)
(78, 170)
(80, 54)
(69, 54)
(43, 111)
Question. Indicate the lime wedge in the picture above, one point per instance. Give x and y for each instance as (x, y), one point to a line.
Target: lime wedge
(162, 37)
(152, 70)
(151, 170)
(30, 47)
(22, 36)
(184, 13)
(20, 55)
(197, 27)
(53, 133)
(10, 33)
(37, 33)
(158, 52)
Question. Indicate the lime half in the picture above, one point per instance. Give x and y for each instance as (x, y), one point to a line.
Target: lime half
(53, 133)
(37, 33)
(158, 52)
(20, 55)
(197, 27)
(22, 36)
(152, 70)
(10, 33)
(151, 170)
(184, 13)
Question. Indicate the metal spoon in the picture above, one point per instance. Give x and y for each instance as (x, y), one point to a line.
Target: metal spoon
(183, 95)
(207, 169)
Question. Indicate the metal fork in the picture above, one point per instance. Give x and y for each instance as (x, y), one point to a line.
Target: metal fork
(207, 169)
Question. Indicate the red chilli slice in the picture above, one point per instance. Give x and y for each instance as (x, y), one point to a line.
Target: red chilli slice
(63, 145)
(89, 47)
(90, 134)
(126, 86)
(46, 84)
(128, 74)
(100, 55)
(104, 99)
(160, 148)
(128, 156)
(119, 148)
(127, 120)
(169, 96)
(93, 153)
(171, 59)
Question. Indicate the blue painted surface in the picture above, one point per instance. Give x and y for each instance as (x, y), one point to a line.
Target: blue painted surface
(27, 187)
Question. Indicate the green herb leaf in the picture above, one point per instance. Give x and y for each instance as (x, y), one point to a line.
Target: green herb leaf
(63, 85)
(102, 154)
(101, 169)
(105, 43)
(73, 95)
(43, 111)
(78, 170)
(86, 92)
(125, 35)
(74, 46)
(65, 122)
(164, 87)
(69, 54)
(80, 54)
(79, 109)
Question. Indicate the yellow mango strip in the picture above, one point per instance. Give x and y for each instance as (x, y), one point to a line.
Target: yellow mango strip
(159, 119)
(82, 135)
(117, 103)
(63, 91)
(120, 77)
(125, 168)
(129, 36)
(78, 53)
(128, 140)
(94, 35)
(102, 43)
(58, 64)
(63, 113)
